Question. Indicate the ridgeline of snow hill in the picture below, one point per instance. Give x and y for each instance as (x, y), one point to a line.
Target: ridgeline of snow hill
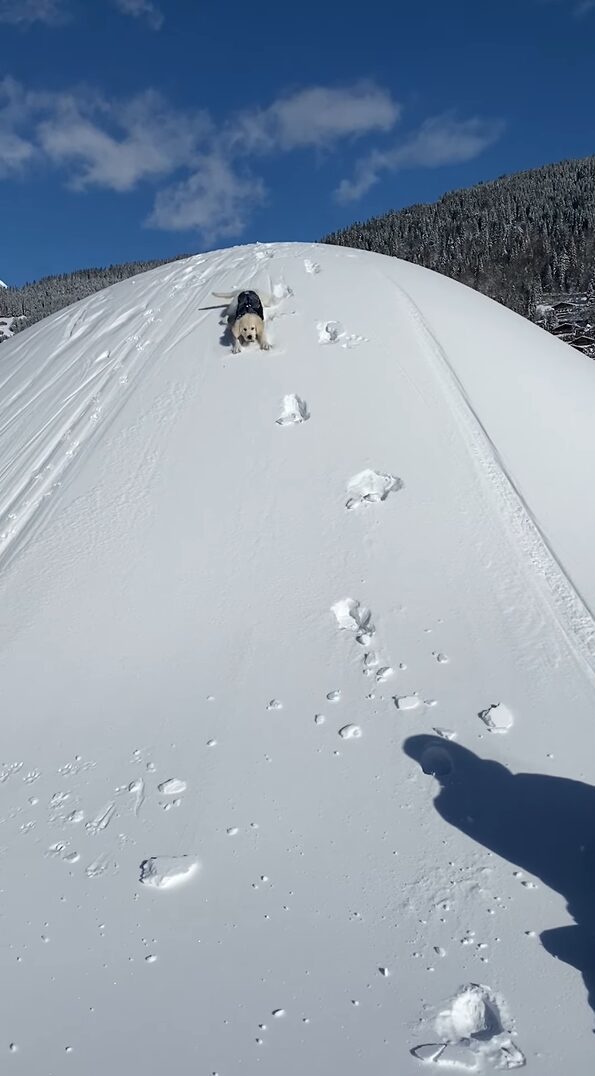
(297, 663)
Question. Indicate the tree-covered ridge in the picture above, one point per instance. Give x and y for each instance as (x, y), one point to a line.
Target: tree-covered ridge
(52, 293)
(512, 238)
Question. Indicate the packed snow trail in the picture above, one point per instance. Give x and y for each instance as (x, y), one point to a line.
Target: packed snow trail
(237, 592)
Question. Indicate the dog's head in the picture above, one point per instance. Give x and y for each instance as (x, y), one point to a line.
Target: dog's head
(249, 327)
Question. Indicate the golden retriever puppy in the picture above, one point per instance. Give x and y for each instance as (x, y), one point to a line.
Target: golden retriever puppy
(245, 318)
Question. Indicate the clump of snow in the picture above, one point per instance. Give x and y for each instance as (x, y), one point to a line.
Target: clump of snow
(350, 732)
(351, 616)
(369, 487)
(497, 717)
(165, 872)
(471, 1012)
(295, 411)
(407, 702)
(174, 786)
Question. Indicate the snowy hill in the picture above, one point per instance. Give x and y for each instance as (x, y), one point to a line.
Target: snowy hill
(297, 667)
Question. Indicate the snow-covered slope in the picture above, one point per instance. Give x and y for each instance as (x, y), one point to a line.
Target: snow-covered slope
(251, 817)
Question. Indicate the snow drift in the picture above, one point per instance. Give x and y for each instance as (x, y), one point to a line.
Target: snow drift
(297, 665)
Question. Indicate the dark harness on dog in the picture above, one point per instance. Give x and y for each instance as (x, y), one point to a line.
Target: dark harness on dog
(249, 303)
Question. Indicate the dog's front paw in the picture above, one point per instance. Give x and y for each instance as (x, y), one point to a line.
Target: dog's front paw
(265, 346)
(236, 349)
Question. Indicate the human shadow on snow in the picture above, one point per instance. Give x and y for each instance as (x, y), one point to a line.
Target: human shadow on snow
(545, 825)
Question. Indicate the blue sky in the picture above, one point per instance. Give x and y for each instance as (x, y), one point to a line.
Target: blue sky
(136, 129)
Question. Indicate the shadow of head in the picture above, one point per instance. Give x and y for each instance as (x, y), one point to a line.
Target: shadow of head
(453, 765)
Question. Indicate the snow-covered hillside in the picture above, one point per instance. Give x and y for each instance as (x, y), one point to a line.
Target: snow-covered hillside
(297, 667)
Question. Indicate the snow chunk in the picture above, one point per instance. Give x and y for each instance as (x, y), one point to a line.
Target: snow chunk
(497, 717)
(295, 410)
(350, 732)
(173, 787)
(165, 872)
(407, 702)
(370, 487)
(473, 1012)
(351, 616)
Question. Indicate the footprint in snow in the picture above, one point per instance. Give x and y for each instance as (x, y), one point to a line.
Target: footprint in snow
(295, 410)
(174, 786)
(407, 702)
(447, 1055)
(311, 267)
(101, 820)
(281, 291)
(351, 616)
(101, 865)
(350, 732)
(332, 332)
(371, 663)
(329, 332)
(370, 487)
(445, 734)
(474, 1029)
(165, 872)
(497, 717)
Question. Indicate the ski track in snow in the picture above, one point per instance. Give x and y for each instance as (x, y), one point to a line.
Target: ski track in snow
(406, 899)
(81, 402)
(556, 588)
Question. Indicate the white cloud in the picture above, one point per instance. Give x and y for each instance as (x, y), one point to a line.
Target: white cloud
(315, 117)
(16, 146)
(54, 12)
(214, 200)
(142, 9)
(320, 116)
(26, 12)
(441, 140)
(14, 152)
(115, 145)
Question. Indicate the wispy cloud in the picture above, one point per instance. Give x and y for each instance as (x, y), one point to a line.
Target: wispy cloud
(319, 116)
(14, 152)
(142, 9)
(16, 146)
(440, 140)
(215, 200)
(26, 12)
(56, 12)
(115, 144)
